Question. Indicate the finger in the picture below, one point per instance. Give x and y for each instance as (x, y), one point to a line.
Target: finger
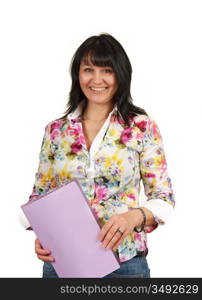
(109, 235)
(118, 235)
(120, 240)
(105, 229)
(39, 249)
(42, 252)
(46, 258)
(38, 244)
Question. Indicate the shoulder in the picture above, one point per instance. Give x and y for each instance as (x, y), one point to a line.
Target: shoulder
(55, 125)
(143, 122)
(146, 126)
(55, 128)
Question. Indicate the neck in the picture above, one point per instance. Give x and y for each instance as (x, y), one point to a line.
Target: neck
(96, 112)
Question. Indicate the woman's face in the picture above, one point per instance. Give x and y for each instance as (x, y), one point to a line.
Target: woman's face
(97, 83)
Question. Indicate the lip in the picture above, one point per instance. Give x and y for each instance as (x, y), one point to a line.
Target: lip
(103, 90)
(98, 87)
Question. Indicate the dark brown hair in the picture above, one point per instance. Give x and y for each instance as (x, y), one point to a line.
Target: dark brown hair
(104, 50)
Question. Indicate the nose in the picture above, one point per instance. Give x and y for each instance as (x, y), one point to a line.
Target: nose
(97, 77)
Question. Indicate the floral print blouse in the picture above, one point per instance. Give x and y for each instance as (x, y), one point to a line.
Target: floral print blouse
(110, 173)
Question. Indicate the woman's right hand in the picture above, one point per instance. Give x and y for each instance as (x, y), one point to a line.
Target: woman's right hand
(43, 254)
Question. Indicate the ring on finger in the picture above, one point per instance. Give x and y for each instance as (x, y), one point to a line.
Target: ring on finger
(119, 231)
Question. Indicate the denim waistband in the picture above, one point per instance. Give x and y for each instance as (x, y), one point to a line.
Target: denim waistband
(142, 253)
(139, 253)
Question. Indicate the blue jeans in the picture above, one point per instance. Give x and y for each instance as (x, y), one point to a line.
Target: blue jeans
(133, 268)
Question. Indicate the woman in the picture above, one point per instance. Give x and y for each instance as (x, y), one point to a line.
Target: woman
(108, 144)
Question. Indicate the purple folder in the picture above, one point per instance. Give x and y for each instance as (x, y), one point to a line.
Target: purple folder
(64, 223)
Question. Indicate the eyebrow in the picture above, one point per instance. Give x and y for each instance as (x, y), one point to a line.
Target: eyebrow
(86, 65)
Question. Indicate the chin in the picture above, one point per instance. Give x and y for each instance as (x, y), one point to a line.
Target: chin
(98, 100)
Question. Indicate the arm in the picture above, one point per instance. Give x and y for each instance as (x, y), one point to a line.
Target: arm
(44, 177)
(157, 186)
(154, 174)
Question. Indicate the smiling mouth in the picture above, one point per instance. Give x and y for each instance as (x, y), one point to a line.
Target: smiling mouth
(98, 89)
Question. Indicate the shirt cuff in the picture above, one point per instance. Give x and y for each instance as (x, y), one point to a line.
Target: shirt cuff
(160, 209)
(24, 221)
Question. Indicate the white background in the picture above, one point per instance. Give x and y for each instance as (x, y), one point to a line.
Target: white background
(163, 41)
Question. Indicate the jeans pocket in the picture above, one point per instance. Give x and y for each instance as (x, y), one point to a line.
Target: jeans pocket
(137, 267)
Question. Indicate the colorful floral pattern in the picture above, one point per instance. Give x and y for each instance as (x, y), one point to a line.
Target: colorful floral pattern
(126, 155)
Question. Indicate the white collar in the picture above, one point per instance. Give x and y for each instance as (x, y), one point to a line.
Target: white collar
(77, 113)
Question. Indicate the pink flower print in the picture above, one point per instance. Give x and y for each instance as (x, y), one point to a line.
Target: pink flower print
(138, 236)
(139, 135)
(68, 130)
(101, 193)
(76, 146)
(142, 125)
(82, 139)
(55, 125)
(54, 129)
(79, 128)
(54, 134)
(126, 135)
(73, 131)
(149, 175)
(132, 196)
(155, 131)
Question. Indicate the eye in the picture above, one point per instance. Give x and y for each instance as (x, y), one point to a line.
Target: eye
(108, 70)
(87, 70)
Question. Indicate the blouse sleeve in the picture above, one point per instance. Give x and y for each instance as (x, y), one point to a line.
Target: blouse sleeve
(154, 174)
(44, 177)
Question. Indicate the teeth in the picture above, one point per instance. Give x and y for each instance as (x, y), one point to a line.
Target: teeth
(98, 89)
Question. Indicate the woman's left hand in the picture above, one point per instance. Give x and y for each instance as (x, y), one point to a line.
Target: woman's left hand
(118, 227)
